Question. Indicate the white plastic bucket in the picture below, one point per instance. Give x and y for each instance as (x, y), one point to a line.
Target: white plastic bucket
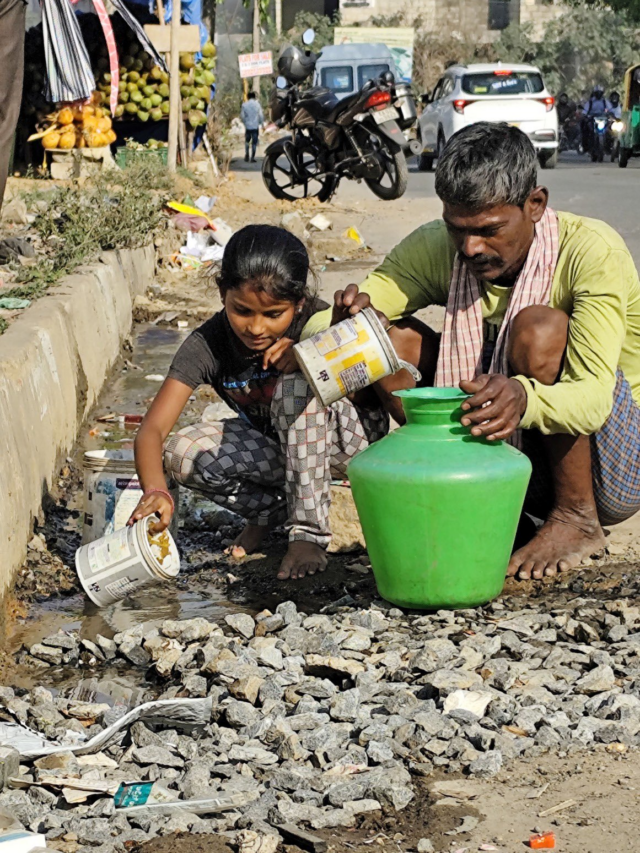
(111, 493)
(349, 356)
(113, 567)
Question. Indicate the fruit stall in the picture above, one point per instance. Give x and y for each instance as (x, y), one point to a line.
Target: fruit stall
(140, 117)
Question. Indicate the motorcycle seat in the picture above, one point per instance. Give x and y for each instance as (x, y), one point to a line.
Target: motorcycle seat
(343, 106)
(318, 102)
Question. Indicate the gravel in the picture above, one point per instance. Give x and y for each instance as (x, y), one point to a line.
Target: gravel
(319, 719)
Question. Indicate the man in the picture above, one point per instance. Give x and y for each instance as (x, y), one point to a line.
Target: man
(542, 330)
(12, 21)
(566, 108)
(615, 107)
(252, 117)
(596, 105)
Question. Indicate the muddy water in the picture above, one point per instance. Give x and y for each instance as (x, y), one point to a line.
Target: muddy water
(195, 593)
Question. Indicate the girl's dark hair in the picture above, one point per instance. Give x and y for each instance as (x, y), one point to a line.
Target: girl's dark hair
(270, 259)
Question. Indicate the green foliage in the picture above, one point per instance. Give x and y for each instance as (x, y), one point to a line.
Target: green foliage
(629, 8)
(585, 45)
(116, 210)
(582, 47)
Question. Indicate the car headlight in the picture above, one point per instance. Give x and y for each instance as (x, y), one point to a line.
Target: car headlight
(617, 126)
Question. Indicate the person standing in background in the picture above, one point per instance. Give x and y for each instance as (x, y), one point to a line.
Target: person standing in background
(252, 117)
(12, 24)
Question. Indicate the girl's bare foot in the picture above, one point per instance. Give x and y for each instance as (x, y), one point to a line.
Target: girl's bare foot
(247, 542)
(302, 558)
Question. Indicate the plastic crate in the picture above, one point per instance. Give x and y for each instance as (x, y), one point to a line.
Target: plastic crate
(126, 156)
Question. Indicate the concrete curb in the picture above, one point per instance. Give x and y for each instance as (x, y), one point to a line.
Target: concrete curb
(53, 364)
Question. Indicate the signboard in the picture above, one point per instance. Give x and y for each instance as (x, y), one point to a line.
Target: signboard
(255, 64)
(399, 40)
(160, 37)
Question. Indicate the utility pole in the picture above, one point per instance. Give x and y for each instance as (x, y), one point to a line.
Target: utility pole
(175, 103)
(278, 4)
(256, 42)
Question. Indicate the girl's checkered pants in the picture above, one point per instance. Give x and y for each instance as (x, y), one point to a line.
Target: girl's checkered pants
(269, 482)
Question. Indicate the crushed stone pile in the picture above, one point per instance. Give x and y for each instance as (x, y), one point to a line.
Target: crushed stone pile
(316, 720)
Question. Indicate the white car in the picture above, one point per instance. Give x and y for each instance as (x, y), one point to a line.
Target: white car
(496, 92)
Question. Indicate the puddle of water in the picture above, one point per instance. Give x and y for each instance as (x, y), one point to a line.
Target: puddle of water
(128, 392)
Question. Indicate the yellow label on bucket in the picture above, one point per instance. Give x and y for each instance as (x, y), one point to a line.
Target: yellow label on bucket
(335, 337)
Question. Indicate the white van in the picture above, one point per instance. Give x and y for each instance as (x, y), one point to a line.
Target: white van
(345, 68)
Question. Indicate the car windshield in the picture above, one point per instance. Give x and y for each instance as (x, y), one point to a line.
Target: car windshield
(503, 82)
(370, 72)
(338, 78)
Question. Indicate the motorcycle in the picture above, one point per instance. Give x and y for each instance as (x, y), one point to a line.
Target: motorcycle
(358, 138)
(600, 143)
(570, 135)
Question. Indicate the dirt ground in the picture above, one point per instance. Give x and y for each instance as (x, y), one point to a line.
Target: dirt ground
(597, 793)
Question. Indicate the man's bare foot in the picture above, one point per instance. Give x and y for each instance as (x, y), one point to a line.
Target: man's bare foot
(562, 543)
(247, 542)
(302, 558)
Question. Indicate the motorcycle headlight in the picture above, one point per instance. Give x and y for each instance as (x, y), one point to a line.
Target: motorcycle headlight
(617, 126)
(600, 124)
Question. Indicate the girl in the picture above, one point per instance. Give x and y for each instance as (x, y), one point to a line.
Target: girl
(273, 463)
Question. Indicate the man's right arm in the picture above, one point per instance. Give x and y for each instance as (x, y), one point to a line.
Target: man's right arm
(414, 275)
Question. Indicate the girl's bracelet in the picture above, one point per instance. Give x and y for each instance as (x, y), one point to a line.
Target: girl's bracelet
(161, 492)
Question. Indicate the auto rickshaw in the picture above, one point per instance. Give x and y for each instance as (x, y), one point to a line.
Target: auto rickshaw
(630, 136)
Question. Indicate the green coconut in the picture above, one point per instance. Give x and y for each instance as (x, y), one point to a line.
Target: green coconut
(209, 78)
(185, 91)
(196, 118)
(130, 108)
(209, 50)
(156, 99)
(163, 89)
(187, 61)
(145, 104)
(165, 108)
(156, 114)
(128, 61)
(119, 111)
(133, 77)
(148, 91)
(123, 97)
(143, 115)
(155, 73)
(137, 97)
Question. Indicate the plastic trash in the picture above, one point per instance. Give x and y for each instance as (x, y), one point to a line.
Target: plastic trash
(213, 805)
(11, 303)
(185, 714)
(542, 841)
(206, 202)
(321, 222)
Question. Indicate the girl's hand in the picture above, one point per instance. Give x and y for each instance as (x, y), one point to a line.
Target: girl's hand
(281, 356)
(154, 502)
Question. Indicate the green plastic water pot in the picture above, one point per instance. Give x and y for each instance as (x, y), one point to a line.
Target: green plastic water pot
(439, 507)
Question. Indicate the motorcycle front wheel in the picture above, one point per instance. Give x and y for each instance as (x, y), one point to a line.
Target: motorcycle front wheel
(393, 182)
(283, 183)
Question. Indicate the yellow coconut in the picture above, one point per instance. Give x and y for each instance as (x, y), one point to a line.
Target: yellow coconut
(68, 139)
(104, 124)
(65, 115)
(111, 136)
(51, 140)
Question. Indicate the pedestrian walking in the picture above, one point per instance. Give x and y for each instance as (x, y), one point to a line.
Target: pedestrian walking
(252, 117)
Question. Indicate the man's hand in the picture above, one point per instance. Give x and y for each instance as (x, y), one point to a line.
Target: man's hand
(507, 401)
(347, 303)
(281, 356)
